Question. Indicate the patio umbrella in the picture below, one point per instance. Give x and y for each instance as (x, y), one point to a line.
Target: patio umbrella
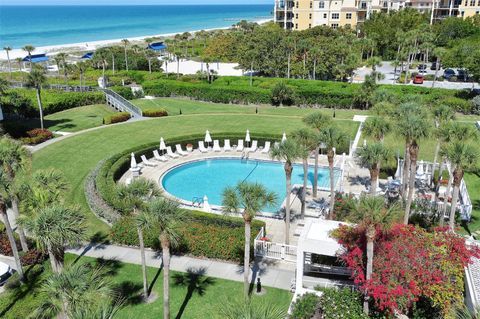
(206, 205)
(208, 138)
(163, 147)
(420, 171)
(133, 161)
(247, 138)
(284, 137)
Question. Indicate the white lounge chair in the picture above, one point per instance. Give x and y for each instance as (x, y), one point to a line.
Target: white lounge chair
(216, 146)
(201, 147)
(146, 162)
(266, 148)
(240, 146)
(179, 150)
(254, 146)
(170, 153)
(159, 157)
(226, 145)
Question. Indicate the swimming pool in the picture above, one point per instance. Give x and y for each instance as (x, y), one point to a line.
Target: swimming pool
(211, 176)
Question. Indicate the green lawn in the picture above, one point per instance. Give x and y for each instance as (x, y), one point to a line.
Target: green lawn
(174, 105)
(72, 120)
(127, 279)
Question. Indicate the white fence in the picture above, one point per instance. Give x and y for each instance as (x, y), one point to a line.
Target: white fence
(263, 248)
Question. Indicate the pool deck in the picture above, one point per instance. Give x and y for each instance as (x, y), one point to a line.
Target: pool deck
(354, 180)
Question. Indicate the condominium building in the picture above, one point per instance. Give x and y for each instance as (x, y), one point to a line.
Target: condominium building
(304, 14)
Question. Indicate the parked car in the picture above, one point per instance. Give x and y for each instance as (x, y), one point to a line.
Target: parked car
(5, 272)
(434, 66)
(422, 68)
(462, 75)
(418, 79)
(448, 73)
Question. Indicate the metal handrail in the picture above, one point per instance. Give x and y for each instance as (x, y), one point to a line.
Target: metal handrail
(127, 104)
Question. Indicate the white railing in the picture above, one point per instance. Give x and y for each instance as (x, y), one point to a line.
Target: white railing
(327, 269)
(272, 250)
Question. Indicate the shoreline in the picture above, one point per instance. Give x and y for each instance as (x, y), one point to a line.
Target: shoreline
(93, 45)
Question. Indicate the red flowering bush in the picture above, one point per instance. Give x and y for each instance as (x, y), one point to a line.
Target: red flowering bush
(37, 136)
(409, 263)
(343, 206)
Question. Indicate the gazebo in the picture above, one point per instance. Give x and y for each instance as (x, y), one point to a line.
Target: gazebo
(157, 46)
(87, 56)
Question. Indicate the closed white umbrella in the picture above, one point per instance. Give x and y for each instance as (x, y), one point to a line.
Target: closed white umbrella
(162, 144)
(206, 205)
(284, 137)
(208, 138)
(247, 138)
(420, 171)
(133, 161)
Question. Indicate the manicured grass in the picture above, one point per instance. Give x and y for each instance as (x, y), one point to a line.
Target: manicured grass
(127, 279)
(78, 155)
(187, 106)
(72, 120)
(472, 181)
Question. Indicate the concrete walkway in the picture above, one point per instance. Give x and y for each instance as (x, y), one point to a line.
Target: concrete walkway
(272, 274)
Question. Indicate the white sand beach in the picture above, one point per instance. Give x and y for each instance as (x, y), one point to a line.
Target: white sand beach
(92, 45)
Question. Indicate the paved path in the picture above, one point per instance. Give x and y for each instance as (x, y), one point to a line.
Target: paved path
(272, 274)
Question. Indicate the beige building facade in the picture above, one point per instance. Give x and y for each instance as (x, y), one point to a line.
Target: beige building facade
(304, 14)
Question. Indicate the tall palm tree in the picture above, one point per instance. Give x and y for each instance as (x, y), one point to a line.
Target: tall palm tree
(333, 138)
(54, 228)
(163, 217)
(371, 157)
(29, 49)
(37, 79)
(374, 62)
(133, 199)
(82, 67)
(62, 56)
(443, 114)
(125, 43)
(308, 141)
(462, 156)
(318, 121)
(80, 292)
(111, 50)
(20, 63)
(58, 61)
(7, 50)
(247, 199)
(376, 127)
(14, 160)
(373, 215)
(288, 151)
(150, 55)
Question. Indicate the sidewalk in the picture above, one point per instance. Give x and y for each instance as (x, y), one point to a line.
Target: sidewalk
(272, 274)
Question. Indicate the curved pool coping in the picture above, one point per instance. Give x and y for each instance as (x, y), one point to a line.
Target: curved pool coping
(218, 208)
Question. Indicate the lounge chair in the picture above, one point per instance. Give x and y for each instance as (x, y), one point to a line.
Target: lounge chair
(226, 145)
(157, 156)
(201, 147)
(266, 148)
(240, 146)
(146, 162)
(254, 146)
(276, 144)
(216, 146)
(171, 153)
(179, 150)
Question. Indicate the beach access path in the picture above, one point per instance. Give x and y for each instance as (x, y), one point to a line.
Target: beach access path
(271, 273)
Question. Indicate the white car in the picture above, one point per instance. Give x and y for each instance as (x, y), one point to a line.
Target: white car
(5, 272)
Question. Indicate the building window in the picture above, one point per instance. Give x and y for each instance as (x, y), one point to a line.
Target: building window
(296, 15)
(324, 15)
(296, 25)
(335, 16)
(310, 16)
(348, 16)
(462, 13)
(309, 25)
(385, 4)
(472, 3)
(311, 5)
(363, 5)
(296, 5)
(334, 25)
(321, 5)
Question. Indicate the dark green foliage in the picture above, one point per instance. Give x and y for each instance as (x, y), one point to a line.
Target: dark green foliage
(124, 91)
(341, 304)
(116, 118)
(137, 59)
(155, 112)
(282, 94)
(305, 306)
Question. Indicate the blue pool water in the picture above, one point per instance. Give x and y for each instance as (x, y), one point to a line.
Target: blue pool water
(210, 177)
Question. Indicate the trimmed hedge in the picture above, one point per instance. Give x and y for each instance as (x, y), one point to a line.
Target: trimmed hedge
(124, 91)
(154, 112)
(116, 118)
(201, 234)
(37, 136)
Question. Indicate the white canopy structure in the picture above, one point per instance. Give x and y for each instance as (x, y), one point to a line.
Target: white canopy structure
(284, 137)
(247, 136)
(133, 161)
(162, 144)
(208, 138)
(206, 206)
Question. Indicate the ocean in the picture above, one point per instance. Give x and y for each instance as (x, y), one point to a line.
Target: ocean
(54, 25)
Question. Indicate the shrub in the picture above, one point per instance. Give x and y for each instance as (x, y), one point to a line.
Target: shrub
(476, 105)
(155, 112)
(124, 91)
(305, 306)
(282, 94)
(33, 257)
(116, 118)
(458, 104)
(341, 304)
(37, 136)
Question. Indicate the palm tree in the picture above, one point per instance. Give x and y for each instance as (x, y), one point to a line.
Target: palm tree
(80, 292)
(150, 55)
(43, 189)
(125, 44)
(7, 50)
(58, 61)
(62, 56)
(82, 67)
(111, 50)
(371, 157)
(333, 138)
(133, 199)
(374, 62)
(19, 62)
(443, 114)
(163, 217)
(36, 79)
(55, 227)
(318, 121)
(4, 198)
(15, 159)
(29, 49)
(308, 141)
(248, 309)
(373, 215)
(462, 156)
(247, 199)
(288, 151)
(376, 127)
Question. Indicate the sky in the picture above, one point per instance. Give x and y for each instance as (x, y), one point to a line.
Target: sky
(126, 2)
